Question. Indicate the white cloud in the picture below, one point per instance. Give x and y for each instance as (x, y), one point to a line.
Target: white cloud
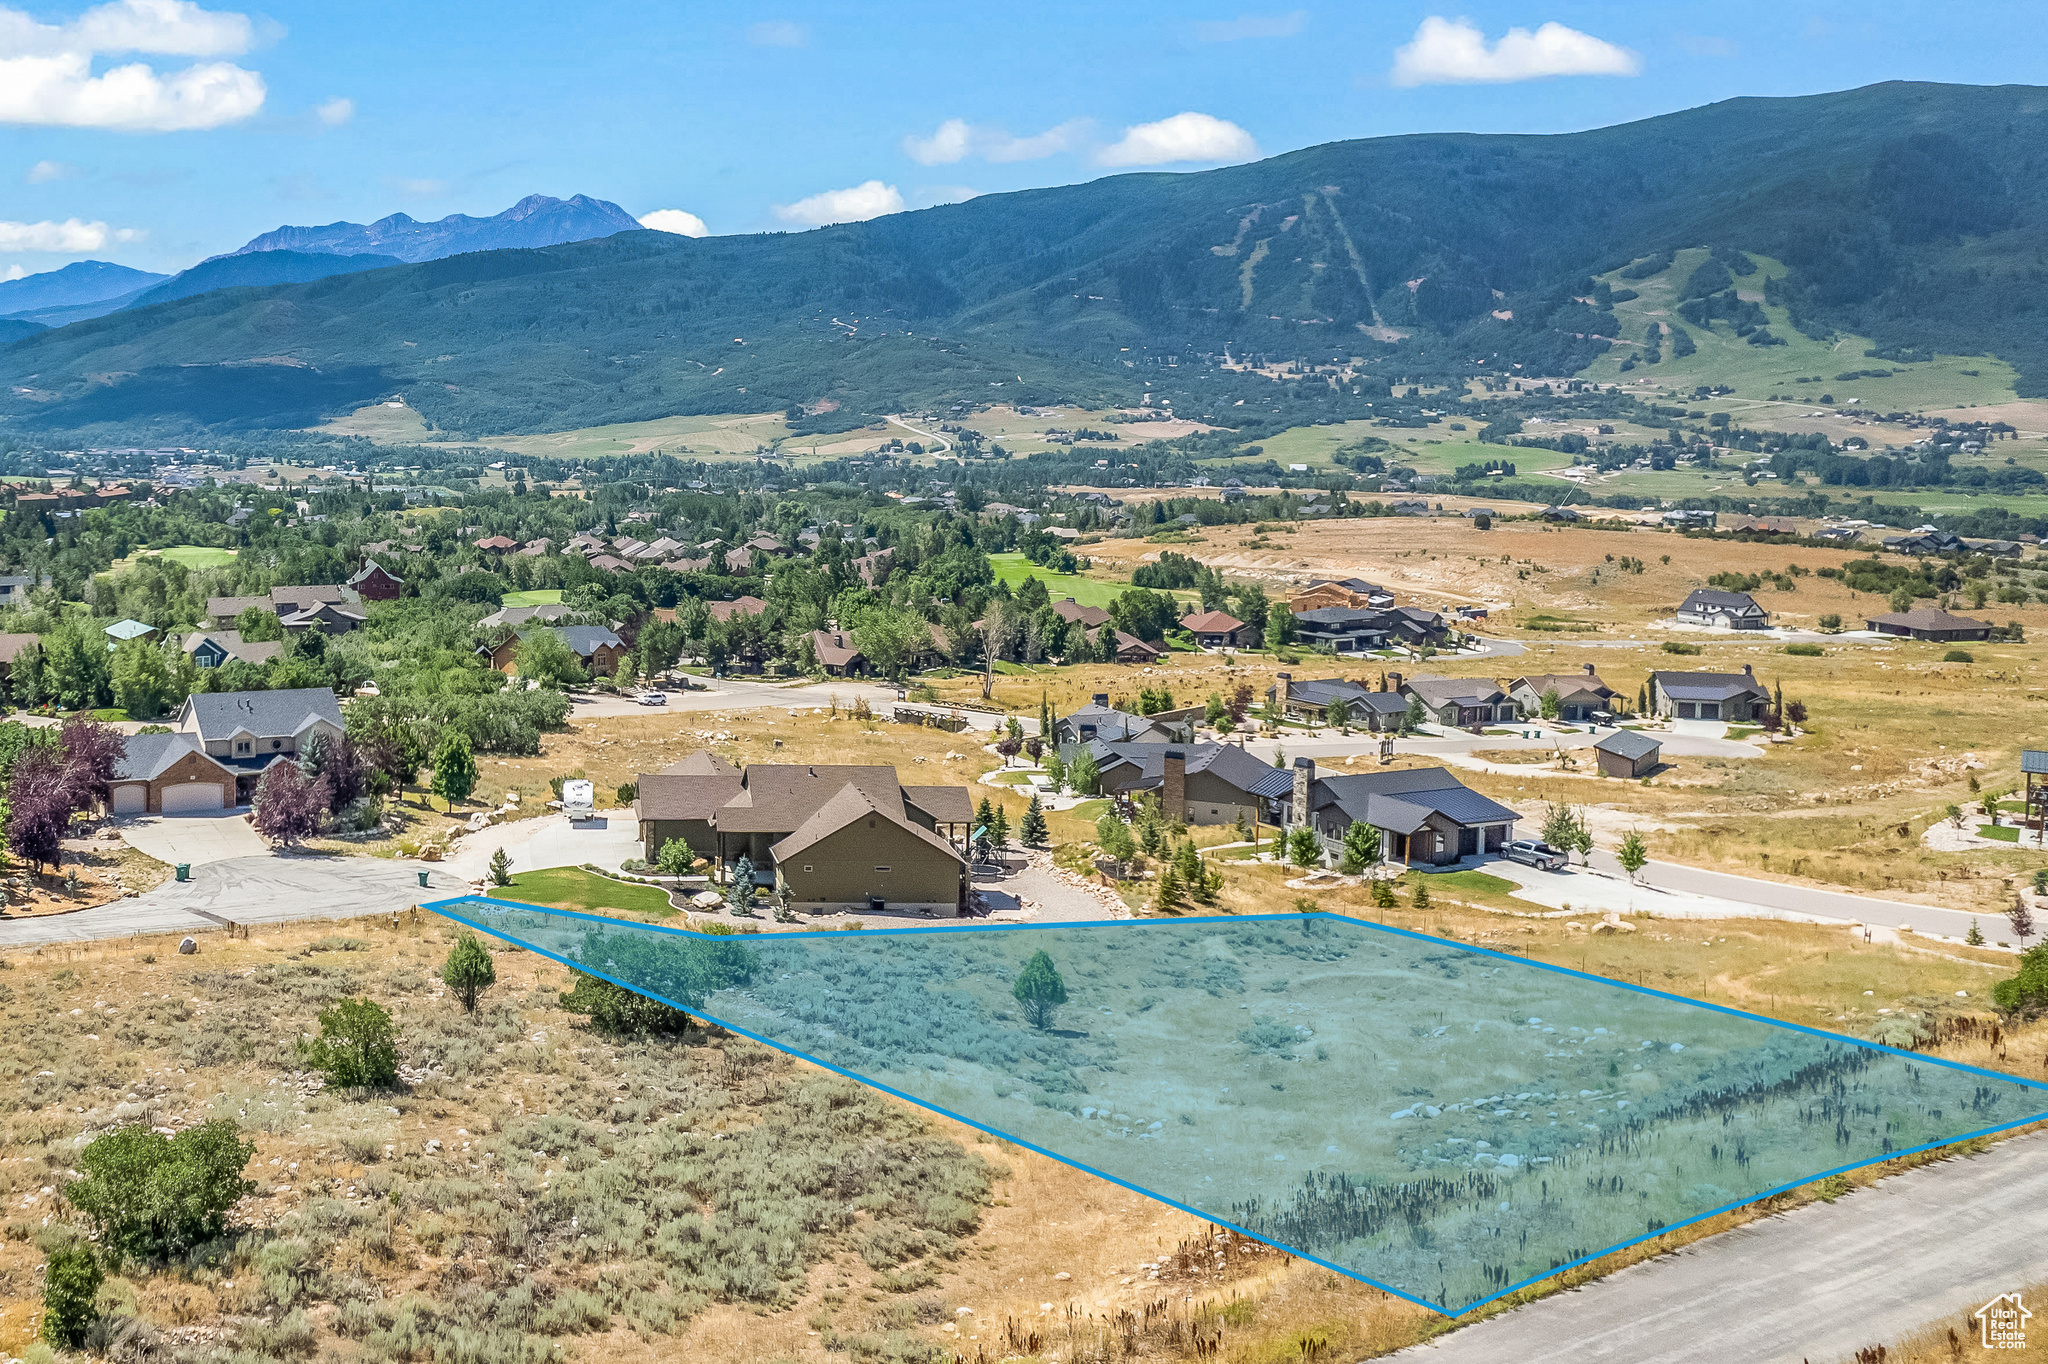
(1184, 137)
(46, 70)
(70, 237)
(421, 189)
(956, 140)
(1251, 26)
(1455, 51)
(16, 271)
(778, 33)
(676, 220)
(870, 199)
(43, 172)
(336, 111)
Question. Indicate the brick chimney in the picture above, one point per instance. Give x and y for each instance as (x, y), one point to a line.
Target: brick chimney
(1393, 681)
(1304, 778)
(1173, 787)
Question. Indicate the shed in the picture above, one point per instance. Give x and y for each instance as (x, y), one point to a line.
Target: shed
(1628, 753)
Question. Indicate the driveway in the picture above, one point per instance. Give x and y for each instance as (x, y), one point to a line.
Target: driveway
(197, 839)
(244, 890)
(1819, 1283)
(548, 840)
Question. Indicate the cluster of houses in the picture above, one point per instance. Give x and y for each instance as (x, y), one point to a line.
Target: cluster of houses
(1739, 611)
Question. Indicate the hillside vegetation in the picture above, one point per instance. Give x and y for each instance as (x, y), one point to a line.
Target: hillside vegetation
(1898, 212)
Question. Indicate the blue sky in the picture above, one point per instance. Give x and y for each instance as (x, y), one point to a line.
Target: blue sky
(157, 132)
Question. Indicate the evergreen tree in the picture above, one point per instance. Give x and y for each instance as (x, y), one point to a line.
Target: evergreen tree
(1303, 848)
(501, 868)
(739, 889)
(1419, 897)
(454, 768)
(468, 971)
(1039, 990)
(1976, 937)
(1382, 894)
(1001, 831)
(1033, 830)
(1361, 847)
(1167, 898)
(985, 816)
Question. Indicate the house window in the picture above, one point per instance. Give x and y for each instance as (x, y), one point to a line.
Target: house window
(276, 744)
(881, 869)
(241, 748)
(807, 866)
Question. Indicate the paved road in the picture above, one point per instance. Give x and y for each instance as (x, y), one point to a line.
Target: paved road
(1458, 743)
(248, 890)
(1816, 1284)
(1824, 904)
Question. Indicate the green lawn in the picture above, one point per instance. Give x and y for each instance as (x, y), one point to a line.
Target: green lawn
(199, 556)
(1471, 882)
(574, 888)
(541, 596)
(1015, 568)
(2004, 833)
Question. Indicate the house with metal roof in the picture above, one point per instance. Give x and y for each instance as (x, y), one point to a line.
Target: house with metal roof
(1343, 629)
(121, 631)
(1312, 699)
(1100, 720)
(1723, 610)
(1422, 815)
(1709, 696)
(215, 648)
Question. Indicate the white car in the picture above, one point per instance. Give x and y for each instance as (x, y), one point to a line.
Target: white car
(653, 698)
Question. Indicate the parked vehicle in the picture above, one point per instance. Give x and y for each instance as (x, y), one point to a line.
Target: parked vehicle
(1536, 854)
(653, 698)
(579, 800)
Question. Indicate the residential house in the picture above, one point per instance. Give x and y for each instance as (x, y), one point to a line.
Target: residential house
(596, 648)
(170, 774)
(742, 606)
(497, 544)
(14, 589)
(515, 616)
(1930, 623)
(1723, 610)
(1767, 525)
(214, 648)
(1200, 783)
(677, 801)
(1129, 648)
(611, 563)
(1098, 720)
(1925, 540)
(837, 654)
(372, 583)
(1343, 629)
(1421, 815)
(327, 617)
(1839, 534)
(1560, 514)
(281, 601)
(1311, 700)
(11, 646)
(1218, 630)
(1580, 695)
(873, 567)
(534, 549)
(1409, 507)
(1708, 696)
(246, 731)
(1459, 702)
(1087, 617)
(1628, 753)
(833, 837)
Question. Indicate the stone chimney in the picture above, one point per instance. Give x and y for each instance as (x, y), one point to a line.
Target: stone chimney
(1281, 682)
(1173, 786)
(1393, 681)
(1101, 698)
(1304, 778)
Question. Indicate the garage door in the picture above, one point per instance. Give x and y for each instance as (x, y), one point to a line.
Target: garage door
(132, 799)
(192, 797)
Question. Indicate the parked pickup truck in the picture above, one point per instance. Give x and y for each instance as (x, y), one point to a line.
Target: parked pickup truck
(1536, 854)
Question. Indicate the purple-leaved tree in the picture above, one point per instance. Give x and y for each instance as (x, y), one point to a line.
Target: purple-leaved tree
(39, 805)
(288, 807)
(91, 752)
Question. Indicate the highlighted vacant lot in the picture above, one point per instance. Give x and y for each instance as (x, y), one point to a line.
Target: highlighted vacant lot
(1447, 1123)
(1015, 568)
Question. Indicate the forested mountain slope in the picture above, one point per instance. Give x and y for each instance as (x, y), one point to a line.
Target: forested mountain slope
(1908, 212)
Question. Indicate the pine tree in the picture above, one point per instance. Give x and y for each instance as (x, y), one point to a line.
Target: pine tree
(1976, 938)
(501, 868)
(1001, 831)
(985, 816)
(1040, 990)
(1168, 898)
(739, 890)
(1032, 829)
(1187, 865)
(1419, 897)
(1382, 894)
(468, 971)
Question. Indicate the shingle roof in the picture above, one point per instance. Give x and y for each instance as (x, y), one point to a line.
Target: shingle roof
(945, 804)
(1928, 618)
(702, 763)
(305, 596)
(1712, 598)
(833, 648)
(233, 645)
(1211, 623)
(739, 606)
(144, 757)
(585, 640)
(1708, 686)
(1226, 761)
(847, 804)
(777, 797)
(1112, 725)
(267, 714)
(1439, 690)
(1076, 614)
(12, 645)
(1564, 683)
(684, 796)
(1629, 744)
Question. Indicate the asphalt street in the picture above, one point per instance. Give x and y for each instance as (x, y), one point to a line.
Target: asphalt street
(1817, 1284)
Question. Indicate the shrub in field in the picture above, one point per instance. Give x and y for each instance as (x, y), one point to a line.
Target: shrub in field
(71, 1281)
(357, 1047)
(1040, 990)
(468, 972)
(152, 1196)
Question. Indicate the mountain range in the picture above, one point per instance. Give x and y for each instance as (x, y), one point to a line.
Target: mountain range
(1905, 212)
(536, 220)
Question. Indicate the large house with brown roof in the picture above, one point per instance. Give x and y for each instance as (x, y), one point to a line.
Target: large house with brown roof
(1217, 630)
(1073, 613)
(837, 654)
(741, 606)
(1929, 622)
(834, 837)
(282, 601)
(1580, 695)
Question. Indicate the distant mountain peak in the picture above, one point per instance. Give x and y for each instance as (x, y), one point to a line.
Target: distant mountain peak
(536, 220)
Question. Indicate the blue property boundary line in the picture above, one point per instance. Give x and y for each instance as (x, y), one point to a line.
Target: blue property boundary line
(441, 907)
